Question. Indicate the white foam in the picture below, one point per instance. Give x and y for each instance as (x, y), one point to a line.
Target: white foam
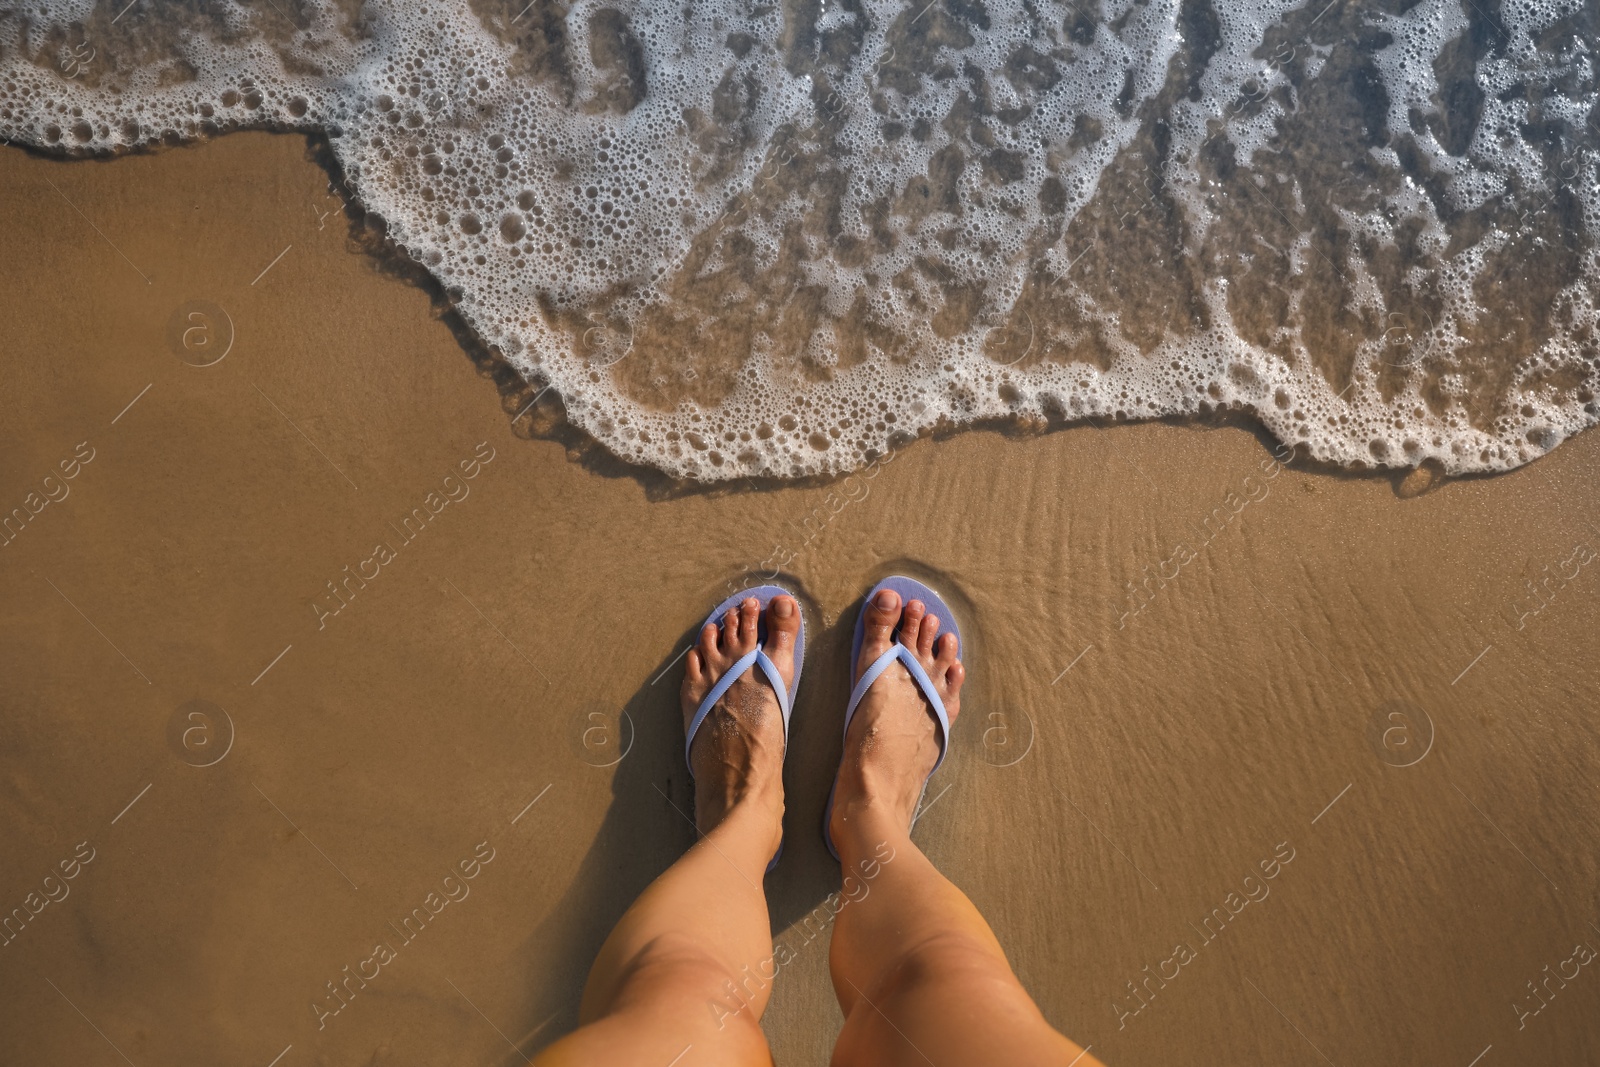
(882, 208)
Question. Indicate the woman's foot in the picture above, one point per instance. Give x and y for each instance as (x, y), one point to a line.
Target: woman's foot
(893, 741)
(737, 755)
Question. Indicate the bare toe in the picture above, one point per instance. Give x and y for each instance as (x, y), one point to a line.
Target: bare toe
(881, 616)
(710, 645)
(749, 614)
(949, 668)
(783, 626)
(954, 676)
(911, 623)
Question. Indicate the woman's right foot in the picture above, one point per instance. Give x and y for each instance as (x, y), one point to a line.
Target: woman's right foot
(737, 756)
(893, 740)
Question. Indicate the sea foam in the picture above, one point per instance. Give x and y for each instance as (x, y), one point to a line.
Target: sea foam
(777, 239)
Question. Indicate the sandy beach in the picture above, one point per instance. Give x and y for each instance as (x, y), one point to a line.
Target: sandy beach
(309, 614)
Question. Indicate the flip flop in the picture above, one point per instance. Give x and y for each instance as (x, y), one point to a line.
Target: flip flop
(755, 658)
(909, 589)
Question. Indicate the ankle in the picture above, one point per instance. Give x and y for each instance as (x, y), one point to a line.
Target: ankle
(867, 824)
(752, 803)
(876, 793)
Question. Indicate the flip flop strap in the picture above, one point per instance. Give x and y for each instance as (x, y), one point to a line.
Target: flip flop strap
(759, 658)
(897, 651)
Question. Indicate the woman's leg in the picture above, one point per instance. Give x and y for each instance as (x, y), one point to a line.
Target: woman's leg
(918, 973)
(672, 983)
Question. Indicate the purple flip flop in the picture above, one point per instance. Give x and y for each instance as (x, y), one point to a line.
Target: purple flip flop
(909, 589)
(755, 658)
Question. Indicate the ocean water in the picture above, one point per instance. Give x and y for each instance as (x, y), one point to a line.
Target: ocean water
(778, 239)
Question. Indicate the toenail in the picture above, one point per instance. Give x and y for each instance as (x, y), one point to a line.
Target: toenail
(886, 600)
(783, 608)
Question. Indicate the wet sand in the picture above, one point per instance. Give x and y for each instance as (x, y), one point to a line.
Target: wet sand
(1257, 763)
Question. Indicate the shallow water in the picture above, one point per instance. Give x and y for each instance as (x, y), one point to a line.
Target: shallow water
(779, 240)
(1182, 655)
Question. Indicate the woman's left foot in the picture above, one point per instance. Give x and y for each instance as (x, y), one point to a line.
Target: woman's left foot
(737, 755)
